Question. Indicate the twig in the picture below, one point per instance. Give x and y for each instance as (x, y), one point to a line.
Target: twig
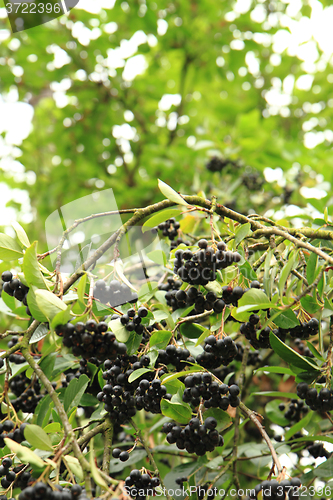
(108, 436)
(249, 413)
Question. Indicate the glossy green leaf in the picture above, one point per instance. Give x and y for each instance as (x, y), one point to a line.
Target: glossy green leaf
(74, 392)
(171, 194)
(137, 374)
(49, 304)
(21, 234)
(31, 268)
(37, 437)
(160, 339)
(160, 217)
(9, 248)
(180, 412)
(290, 356)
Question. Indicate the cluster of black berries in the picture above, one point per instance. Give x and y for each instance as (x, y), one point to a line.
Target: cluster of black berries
(41, 490)
(194, 437)
(179, 241)
(139, 485)
(303, 348)
(171, 284)
(90, 340)
(122, 455)
(27, 392)
(132, 320)
(296, 411)
(249, 330)
(14, 357)
(115, 294)
(252, 180)
(202, 490)
(175, 356)
(304, 330)
(118, 392)
(232, 295)
(169, 228)
(199, 268)
(8, 476)
(272, 490)
(217, 164)
(322, 401)
(217, 352)
(7, 430)
(200, 385)
(178, 299)
(318, 450)
(15, 288)
(149, 394)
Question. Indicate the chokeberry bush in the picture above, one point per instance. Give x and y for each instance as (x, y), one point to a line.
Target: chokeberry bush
(206, 376)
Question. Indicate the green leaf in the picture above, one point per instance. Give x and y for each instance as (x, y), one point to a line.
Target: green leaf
(194, 369)
(202, 337)
(289, 355)
(191, 330)
(74, 391)
(314, 351)
(40, 332)
(122, 335)
(247, 270)
(94, 470)
(160, 339)
(37, 437)
(53, 427)
(44, 406)
(162, 216)
(298, 426)
(253, 299)
(21, 234)
(33, 306)
(285, 272)
(26, 455)
(62, 317)
(88, 400)
(181, 413)
(9, 248)
(242, 232)
(158, 256)
(133, 343)
(137, 373)
(171, 194)
(312, 268)
(31, 270)
(274, 369)
(274, 394)
(81, 288)
(74, 466)
(4, 307)
(274, 414)
(310, 304)
(49, 304)
(287, 319)
(47, 362)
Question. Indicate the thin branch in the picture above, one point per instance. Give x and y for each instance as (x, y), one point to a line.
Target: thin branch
(249, 413)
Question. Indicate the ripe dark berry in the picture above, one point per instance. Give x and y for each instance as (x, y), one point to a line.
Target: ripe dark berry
(6, 276)
(116, 452)
(124, 455)
(142, 312)
(210, 423)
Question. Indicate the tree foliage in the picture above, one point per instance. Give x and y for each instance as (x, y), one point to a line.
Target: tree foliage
(230, 328)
